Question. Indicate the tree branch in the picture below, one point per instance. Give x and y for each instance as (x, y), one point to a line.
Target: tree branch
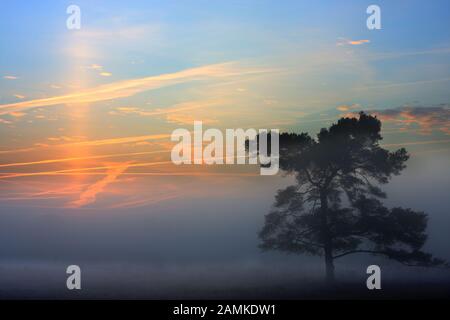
(359, 251)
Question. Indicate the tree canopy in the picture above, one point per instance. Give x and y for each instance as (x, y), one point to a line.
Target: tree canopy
(334, 209)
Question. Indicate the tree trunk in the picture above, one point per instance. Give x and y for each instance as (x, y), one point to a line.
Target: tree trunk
(327, 240)
(329, 266)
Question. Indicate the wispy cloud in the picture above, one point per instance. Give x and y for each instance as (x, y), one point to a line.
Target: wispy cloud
(114, 33)
(10, 77)
(67, 138)
(81, 171)
(59, 160)
(90, 194)
(17, 114)
(100, 69)
(89, 143)
(179, 113)
(126, 88)
(343, 42)
(5, 121)
(95, 67)
(348, 107)
(402, 84)
(428, 119)
(102, 142)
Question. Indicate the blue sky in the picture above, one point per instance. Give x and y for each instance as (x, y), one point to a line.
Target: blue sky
(156, 37)
(174, 35)
(147, 67)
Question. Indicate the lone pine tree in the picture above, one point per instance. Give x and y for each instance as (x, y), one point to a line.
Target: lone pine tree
(334, 209)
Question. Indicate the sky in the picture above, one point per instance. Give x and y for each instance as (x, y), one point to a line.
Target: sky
(86, 116)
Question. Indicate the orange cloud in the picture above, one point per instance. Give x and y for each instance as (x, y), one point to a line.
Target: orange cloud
(90, 194)
(17, 114)
(48, 161)
(126, 88)
(342, 42)
(95, 67)
(89, 143)
(116, 140)
(358, 42)
(79, 171)
(428, 119)
(66, 138)
(348, 107)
